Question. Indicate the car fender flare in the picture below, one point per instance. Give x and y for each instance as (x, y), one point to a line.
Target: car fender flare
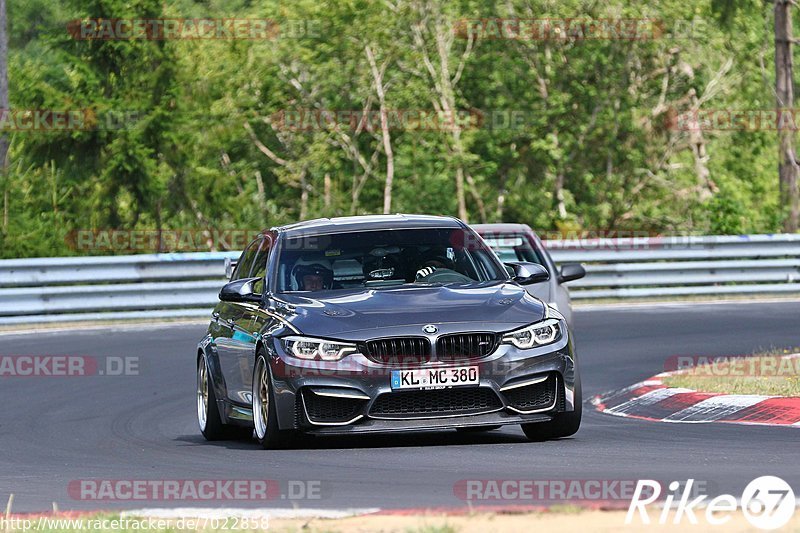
(214, 374)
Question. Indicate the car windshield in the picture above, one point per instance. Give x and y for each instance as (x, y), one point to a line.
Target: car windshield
(513, 247)
(374, 259)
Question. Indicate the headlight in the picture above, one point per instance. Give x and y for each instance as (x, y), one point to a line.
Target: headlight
(310, 348)
(538, 334)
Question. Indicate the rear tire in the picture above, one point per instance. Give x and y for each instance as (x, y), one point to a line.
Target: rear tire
(562, 425)
(265, 414)
(208, 418)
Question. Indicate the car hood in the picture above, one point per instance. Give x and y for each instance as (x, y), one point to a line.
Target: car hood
(366, 314)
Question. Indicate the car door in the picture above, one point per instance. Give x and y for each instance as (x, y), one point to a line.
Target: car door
(232, 339)
(246, 327)
(257, 320)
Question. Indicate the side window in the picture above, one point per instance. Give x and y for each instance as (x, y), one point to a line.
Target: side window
(246, 260)
(259, 269)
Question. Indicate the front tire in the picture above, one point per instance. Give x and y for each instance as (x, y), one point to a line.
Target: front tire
(265, 414)
(562, 425)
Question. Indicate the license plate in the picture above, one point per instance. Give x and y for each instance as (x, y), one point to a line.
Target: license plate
(430, 378)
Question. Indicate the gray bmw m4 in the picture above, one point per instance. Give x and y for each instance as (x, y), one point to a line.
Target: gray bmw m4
(382, 324)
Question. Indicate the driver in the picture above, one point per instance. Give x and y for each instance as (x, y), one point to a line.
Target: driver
(314, 277)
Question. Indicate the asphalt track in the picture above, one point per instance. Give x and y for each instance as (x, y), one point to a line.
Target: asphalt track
(56, 430)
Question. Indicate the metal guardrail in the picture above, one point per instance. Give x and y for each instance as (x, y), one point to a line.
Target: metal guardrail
(683, 266)
(186, 284)
(62, 289)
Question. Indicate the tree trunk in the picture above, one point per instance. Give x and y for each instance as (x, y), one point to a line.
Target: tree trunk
(561, 203)
(387, 146)
(560, 200)
(462, 203)
(697, 144)
(262, 194)
(444, 83)
(377, 76)
(303, 196)
(4, 109)
(473, 189)
(784, 93)
(448, 101)
(327, 185)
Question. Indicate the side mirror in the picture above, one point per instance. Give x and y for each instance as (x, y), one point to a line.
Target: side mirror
(526, 273)
(570, 272)
(240, 290)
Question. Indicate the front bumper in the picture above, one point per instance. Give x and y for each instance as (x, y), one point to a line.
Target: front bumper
(354, 395)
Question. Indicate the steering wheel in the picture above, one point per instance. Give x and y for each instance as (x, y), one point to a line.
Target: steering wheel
(446, 275)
